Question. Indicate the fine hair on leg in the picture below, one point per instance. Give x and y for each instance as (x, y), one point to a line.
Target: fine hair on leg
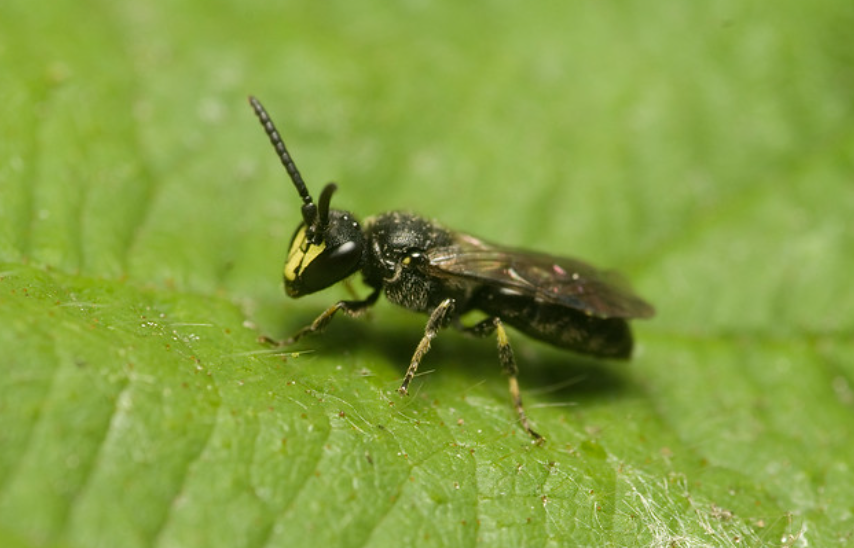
(438, 319)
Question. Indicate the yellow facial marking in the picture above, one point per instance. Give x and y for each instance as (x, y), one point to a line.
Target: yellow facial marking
(302, 253)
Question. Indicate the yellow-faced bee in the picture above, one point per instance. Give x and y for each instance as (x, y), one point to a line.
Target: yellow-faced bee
(427, 268)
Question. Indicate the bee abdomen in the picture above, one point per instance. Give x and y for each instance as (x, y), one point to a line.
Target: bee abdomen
(558, 325)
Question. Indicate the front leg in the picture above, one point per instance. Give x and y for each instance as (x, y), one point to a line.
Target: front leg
(351, 308)
(439, 318)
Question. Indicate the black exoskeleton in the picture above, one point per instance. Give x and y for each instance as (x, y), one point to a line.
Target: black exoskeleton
(427, 268)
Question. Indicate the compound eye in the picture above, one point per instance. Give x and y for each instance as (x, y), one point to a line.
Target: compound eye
(331, 266)
(319, 270)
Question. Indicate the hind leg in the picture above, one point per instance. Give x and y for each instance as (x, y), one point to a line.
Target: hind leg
(508, 363)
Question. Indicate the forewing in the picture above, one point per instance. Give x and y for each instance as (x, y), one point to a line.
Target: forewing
(558, 280)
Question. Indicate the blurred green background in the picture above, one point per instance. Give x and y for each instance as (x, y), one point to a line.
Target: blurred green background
(704, 150)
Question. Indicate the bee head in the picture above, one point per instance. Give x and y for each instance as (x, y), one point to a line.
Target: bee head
(327, 245)
(324, 250)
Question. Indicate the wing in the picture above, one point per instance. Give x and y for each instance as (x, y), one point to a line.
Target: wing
(557, 280)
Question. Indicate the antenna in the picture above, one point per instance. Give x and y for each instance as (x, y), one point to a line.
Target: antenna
(323, 206)
(309, 210)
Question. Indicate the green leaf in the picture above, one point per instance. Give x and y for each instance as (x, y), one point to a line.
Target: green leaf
(703, 150)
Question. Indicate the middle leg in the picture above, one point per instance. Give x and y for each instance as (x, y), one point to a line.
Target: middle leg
(439, 318)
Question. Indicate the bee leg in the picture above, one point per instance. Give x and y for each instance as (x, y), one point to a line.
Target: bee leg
(508, 362)
(348, 286)
(439, 318)
(351, 308)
